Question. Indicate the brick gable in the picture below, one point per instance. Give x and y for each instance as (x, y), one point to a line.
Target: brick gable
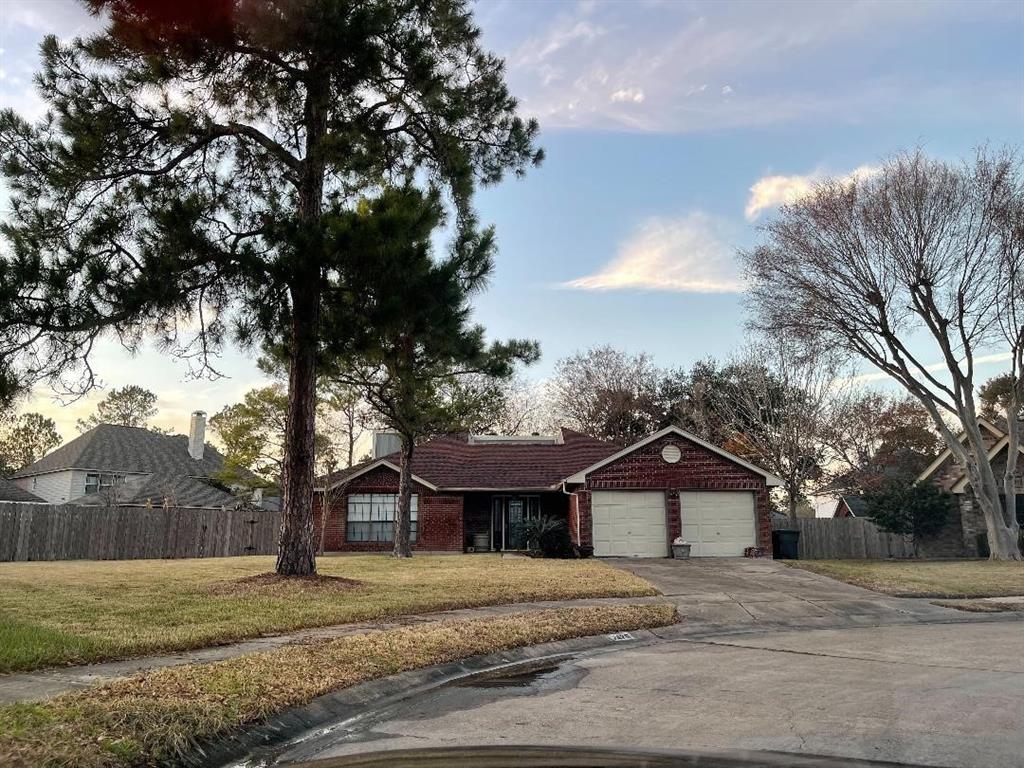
(699, 469)
(440, 516)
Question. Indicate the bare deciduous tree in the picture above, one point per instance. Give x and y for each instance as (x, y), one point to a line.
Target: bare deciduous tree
(911, 264)
(877, 436)
(607, 393)
(779, 407)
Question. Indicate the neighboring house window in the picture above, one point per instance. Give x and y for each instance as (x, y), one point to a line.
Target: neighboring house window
(96, 482)
(371, 516)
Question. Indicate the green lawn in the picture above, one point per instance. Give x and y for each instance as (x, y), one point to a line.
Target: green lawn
(924, 578)
(76, 612)
(156, 718)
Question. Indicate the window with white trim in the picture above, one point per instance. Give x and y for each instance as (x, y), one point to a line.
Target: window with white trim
(96, 482)
(371, 517)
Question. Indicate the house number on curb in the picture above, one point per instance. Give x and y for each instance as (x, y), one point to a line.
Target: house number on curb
(620, 637)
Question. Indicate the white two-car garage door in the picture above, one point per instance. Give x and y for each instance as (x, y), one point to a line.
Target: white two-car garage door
(718, 523)
(629, 524)
(632, 523)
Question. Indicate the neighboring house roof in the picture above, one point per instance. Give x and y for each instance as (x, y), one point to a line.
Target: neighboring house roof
(11, 492)
(931, 469)
(961, 485)
(161, 464)
(178, 490)
(856, 505)
(580, 475)
(460, 463)
(113, 448)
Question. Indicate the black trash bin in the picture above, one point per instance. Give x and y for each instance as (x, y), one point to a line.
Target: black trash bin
(785, 545)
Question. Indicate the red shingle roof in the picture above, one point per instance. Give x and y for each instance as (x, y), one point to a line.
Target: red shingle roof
(455, 462)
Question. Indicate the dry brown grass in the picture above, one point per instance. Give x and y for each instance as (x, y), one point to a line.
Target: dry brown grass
(925, 578)
(158, 716)
(982, 606)
(77, 612)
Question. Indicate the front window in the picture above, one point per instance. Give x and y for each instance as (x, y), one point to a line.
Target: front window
(100, 481)
(371, 516)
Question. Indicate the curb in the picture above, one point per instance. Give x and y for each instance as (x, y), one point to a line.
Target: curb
(351, 705)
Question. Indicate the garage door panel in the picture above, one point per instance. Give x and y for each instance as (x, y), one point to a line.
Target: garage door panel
(629, 524)
(718, 523)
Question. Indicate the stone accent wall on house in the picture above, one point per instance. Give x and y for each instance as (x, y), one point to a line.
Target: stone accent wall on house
(698, 470)
(960, 537)
(439, 515)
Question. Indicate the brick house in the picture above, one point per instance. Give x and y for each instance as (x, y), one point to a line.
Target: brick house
(849, 506)
(964, 531)
(471, 493)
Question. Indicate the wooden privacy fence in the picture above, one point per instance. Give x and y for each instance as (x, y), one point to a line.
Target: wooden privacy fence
(71, 532)
(847, 537)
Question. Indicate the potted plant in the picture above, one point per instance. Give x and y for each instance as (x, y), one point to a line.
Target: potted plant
(680, 549)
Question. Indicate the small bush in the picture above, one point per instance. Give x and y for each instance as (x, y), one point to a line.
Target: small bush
(547, 537)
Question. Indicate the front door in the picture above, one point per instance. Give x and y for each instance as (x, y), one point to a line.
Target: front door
(508, 515)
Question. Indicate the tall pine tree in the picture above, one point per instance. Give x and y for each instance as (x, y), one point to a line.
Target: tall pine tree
(192, 161)
(414, 342)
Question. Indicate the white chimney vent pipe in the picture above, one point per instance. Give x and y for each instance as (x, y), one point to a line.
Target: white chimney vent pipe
(197, 435)
(385, 443)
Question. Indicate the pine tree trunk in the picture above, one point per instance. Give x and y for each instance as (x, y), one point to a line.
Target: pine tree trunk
(296, 549)
(403, 516)
(296, 554)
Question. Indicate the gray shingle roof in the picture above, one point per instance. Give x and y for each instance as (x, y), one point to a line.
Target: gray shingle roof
(113, 448)
(857, 505)
(181, 491)
(11, 492)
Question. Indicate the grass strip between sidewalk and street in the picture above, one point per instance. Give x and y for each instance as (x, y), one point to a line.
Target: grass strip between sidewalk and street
(156, 717)
(924, 578)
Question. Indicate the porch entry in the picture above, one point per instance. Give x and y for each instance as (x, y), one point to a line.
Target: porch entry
(508, 513)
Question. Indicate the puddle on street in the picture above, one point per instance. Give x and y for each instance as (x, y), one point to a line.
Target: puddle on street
(469, 693)
(517, 679)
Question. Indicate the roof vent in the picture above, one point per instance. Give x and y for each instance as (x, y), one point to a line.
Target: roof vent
(534, 439)
(197, 435)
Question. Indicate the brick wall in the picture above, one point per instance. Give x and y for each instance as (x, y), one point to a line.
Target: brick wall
(698, 470)
(439, 514)
(572, 518)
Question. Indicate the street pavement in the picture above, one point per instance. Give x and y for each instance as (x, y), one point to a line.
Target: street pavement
(767, 658)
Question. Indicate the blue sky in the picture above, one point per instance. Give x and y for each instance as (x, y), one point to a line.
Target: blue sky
(671, 129)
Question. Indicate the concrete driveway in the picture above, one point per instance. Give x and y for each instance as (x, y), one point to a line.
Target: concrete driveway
(742, 592)
(766, 658)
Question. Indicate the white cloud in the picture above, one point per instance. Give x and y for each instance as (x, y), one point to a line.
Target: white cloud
(686, 255)
(772, 191)
(864, 378)
(668, 51)
(634, 95)
(562, 34)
